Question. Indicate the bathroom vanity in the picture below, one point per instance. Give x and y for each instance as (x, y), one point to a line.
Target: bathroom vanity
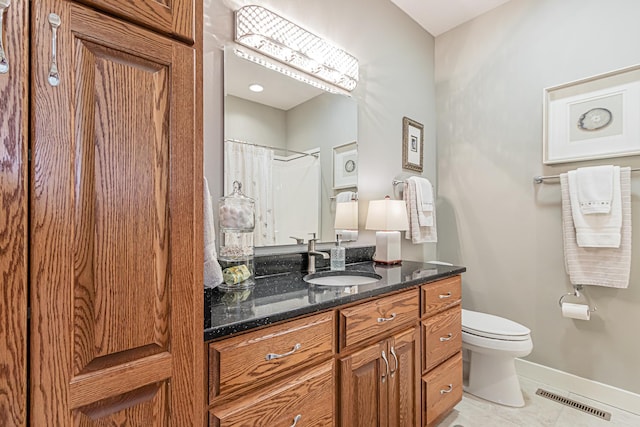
(381, 354)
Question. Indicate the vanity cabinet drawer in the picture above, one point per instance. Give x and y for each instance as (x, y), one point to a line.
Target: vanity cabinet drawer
(307, 397)
(441, 337)
(375, 318)
(442, 389)
(440, 295)
(246, 359)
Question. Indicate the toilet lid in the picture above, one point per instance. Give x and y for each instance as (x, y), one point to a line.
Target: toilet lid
(488, 325)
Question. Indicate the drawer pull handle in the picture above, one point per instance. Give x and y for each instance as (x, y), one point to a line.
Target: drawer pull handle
(443, 296)
(296, 419)
(272, 356)
(384, 357)
(386, 319)
(447, 338)
(4, 62)
(448, 390)
(393, 353)
(54, 76)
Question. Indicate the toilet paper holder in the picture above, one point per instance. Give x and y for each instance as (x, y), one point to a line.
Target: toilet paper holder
(576, 293)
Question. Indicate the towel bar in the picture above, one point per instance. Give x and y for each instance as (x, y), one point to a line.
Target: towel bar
(541, 179)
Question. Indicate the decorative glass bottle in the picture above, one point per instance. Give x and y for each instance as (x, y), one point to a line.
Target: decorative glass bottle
(236, 221)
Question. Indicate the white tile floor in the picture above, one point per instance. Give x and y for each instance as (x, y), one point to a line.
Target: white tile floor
(538, 411)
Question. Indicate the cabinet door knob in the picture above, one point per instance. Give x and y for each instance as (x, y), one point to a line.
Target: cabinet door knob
(296, 419)
(449, 389)
(386, 319)
(54, 76)
(395, 357)
(384, 357)
(443, 296)
(272, 356)
(447, 338)
(4, 62)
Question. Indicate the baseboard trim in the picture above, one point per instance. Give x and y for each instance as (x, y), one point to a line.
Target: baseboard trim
(609, 395)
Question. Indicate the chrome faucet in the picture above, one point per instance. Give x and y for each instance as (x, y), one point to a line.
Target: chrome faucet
(312, 254)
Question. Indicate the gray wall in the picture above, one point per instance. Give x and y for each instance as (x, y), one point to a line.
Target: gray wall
(396, 80)
(490, 75)
(256, 123)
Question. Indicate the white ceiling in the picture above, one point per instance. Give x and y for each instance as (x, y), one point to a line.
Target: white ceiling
(439, 16)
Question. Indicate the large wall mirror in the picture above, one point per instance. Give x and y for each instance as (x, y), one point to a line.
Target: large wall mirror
(292, 146)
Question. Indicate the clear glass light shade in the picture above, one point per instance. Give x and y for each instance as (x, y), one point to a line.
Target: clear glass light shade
(387, 215)
(270, 34)
(346, 215)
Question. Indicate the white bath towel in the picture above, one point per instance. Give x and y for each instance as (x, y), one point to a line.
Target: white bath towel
(424, 200)
(346, 196)
(212, 270)
(595, 189)
(597, 230)
(598, 266)
(417, 233)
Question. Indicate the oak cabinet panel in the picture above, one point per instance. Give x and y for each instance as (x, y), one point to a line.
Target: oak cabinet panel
(441, 337)
(14, 138)
(439, 296)
(242, 361)
(442, 389)
(172, 17)
(379, 385)
(116, 315)
(305, 398)
(378, 317)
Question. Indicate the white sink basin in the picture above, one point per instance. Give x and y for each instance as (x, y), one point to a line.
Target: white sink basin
(341, 278)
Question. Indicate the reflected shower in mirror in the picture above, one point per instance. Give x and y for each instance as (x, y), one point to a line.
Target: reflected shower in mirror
(283, 144)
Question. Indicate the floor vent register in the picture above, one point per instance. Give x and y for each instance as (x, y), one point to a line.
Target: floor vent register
(574, 404)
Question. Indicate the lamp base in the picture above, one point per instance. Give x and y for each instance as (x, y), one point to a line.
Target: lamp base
(388, 246)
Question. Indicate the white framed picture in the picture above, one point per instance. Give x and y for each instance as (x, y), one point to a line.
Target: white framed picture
(345, 166)
(412, 144)
(593, 118)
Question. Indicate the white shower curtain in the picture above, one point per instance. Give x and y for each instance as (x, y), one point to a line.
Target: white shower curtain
(252, 166)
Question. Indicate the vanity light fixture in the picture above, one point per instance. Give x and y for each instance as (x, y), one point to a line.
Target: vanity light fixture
(270, 34)
(388, 217)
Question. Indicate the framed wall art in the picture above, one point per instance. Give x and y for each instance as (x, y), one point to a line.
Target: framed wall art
(345, 166)
(412, 144)
(593, 118)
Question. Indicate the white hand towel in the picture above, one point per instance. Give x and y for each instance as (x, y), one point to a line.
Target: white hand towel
(597, 266)
(595, 189)
(212, 270)
(346, 196)
(424, 200)
(601, 230)
(416, 232)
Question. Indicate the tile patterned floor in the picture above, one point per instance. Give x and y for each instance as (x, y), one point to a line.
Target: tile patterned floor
(537, 412)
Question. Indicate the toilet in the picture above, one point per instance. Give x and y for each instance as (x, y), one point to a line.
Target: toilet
(490, 345)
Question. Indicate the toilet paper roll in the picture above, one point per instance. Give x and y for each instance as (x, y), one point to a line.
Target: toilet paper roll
(576, 311)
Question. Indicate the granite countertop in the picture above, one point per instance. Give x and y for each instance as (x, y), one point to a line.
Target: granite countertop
(286, 295)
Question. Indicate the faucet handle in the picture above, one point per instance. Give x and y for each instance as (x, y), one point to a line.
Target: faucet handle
(314, 238)
(299, 240)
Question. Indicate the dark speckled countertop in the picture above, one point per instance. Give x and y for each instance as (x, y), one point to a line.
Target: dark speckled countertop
(285, 295)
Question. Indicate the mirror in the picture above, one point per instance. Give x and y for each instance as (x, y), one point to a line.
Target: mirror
(293, 147)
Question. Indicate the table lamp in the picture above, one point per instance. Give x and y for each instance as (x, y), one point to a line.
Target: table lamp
(388, 217)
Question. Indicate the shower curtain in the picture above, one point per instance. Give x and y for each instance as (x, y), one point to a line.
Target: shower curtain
(253, 167)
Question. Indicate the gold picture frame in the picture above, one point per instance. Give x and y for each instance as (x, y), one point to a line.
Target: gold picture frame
(412, 145)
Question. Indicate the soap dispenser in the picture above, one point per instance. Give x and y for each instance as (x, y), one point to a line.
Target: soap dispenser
(337, 256)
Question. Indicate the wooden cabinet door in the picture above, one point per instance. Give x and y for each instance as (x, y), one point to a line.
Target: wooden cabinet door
(14, 137)
(404, 381)
(363, 388)
(117, 310)
(173, 17)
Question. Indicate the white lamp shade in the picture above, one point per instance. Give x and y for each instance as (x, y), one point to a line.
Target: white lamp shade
(387, 215)
(346, 215)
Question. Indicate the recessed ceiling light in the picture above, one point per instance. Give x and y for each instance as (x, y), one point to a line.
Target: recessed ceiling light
(255, 87)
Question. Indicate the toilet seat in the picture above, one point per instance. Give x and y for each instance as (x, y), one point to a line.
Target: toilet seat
(495, 327)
